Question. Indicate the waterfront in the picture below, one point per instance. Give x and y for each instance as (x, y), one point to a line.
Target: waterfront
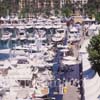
(45, 60)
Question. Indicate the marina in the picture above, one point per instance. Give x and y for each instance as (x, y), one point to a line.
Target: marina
(41, 58)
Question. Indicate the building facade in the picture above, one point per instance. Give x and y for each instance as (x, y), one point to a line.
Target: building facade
(41, 5)
(78, 6)
(37, 6)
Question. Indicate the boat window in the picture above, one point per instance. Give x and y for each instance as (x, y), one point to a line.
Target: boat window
(1, 65)
(31, 51)
(71, 32)
(60, 31)
(22, 61)
(21, 33)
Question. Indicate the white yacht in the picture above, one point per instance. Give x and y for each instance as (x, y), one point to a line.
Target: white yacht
(6, 36)
(73, 34)
(59, 35)
(21, 35)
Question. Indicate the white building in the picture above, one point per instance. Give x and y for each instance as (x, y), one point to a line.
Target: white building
(91, 80)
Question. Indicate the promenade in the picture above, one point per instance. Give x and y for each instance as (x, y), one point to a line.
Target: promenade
(73, 93)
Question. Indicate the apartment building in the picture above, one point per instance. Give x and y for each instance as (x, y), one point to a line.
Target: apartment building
(41, 4)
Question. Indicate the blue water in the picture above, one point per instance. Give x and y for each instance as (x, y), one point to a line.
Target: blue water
(4, 56)
(56, 68)
(6, 44)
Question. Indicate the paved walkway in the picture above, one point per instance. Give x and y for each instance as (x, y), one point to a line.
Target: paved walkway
(72, 94)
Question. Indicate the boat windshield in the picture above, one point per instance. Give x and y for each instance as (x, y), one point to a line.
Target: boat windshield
(23, 61)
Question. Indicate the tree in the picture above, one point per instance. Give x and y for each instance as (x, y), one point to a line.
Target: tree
(8, 7)
(94, 52)
(66, 11)
(92, 7)
(97, 16)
